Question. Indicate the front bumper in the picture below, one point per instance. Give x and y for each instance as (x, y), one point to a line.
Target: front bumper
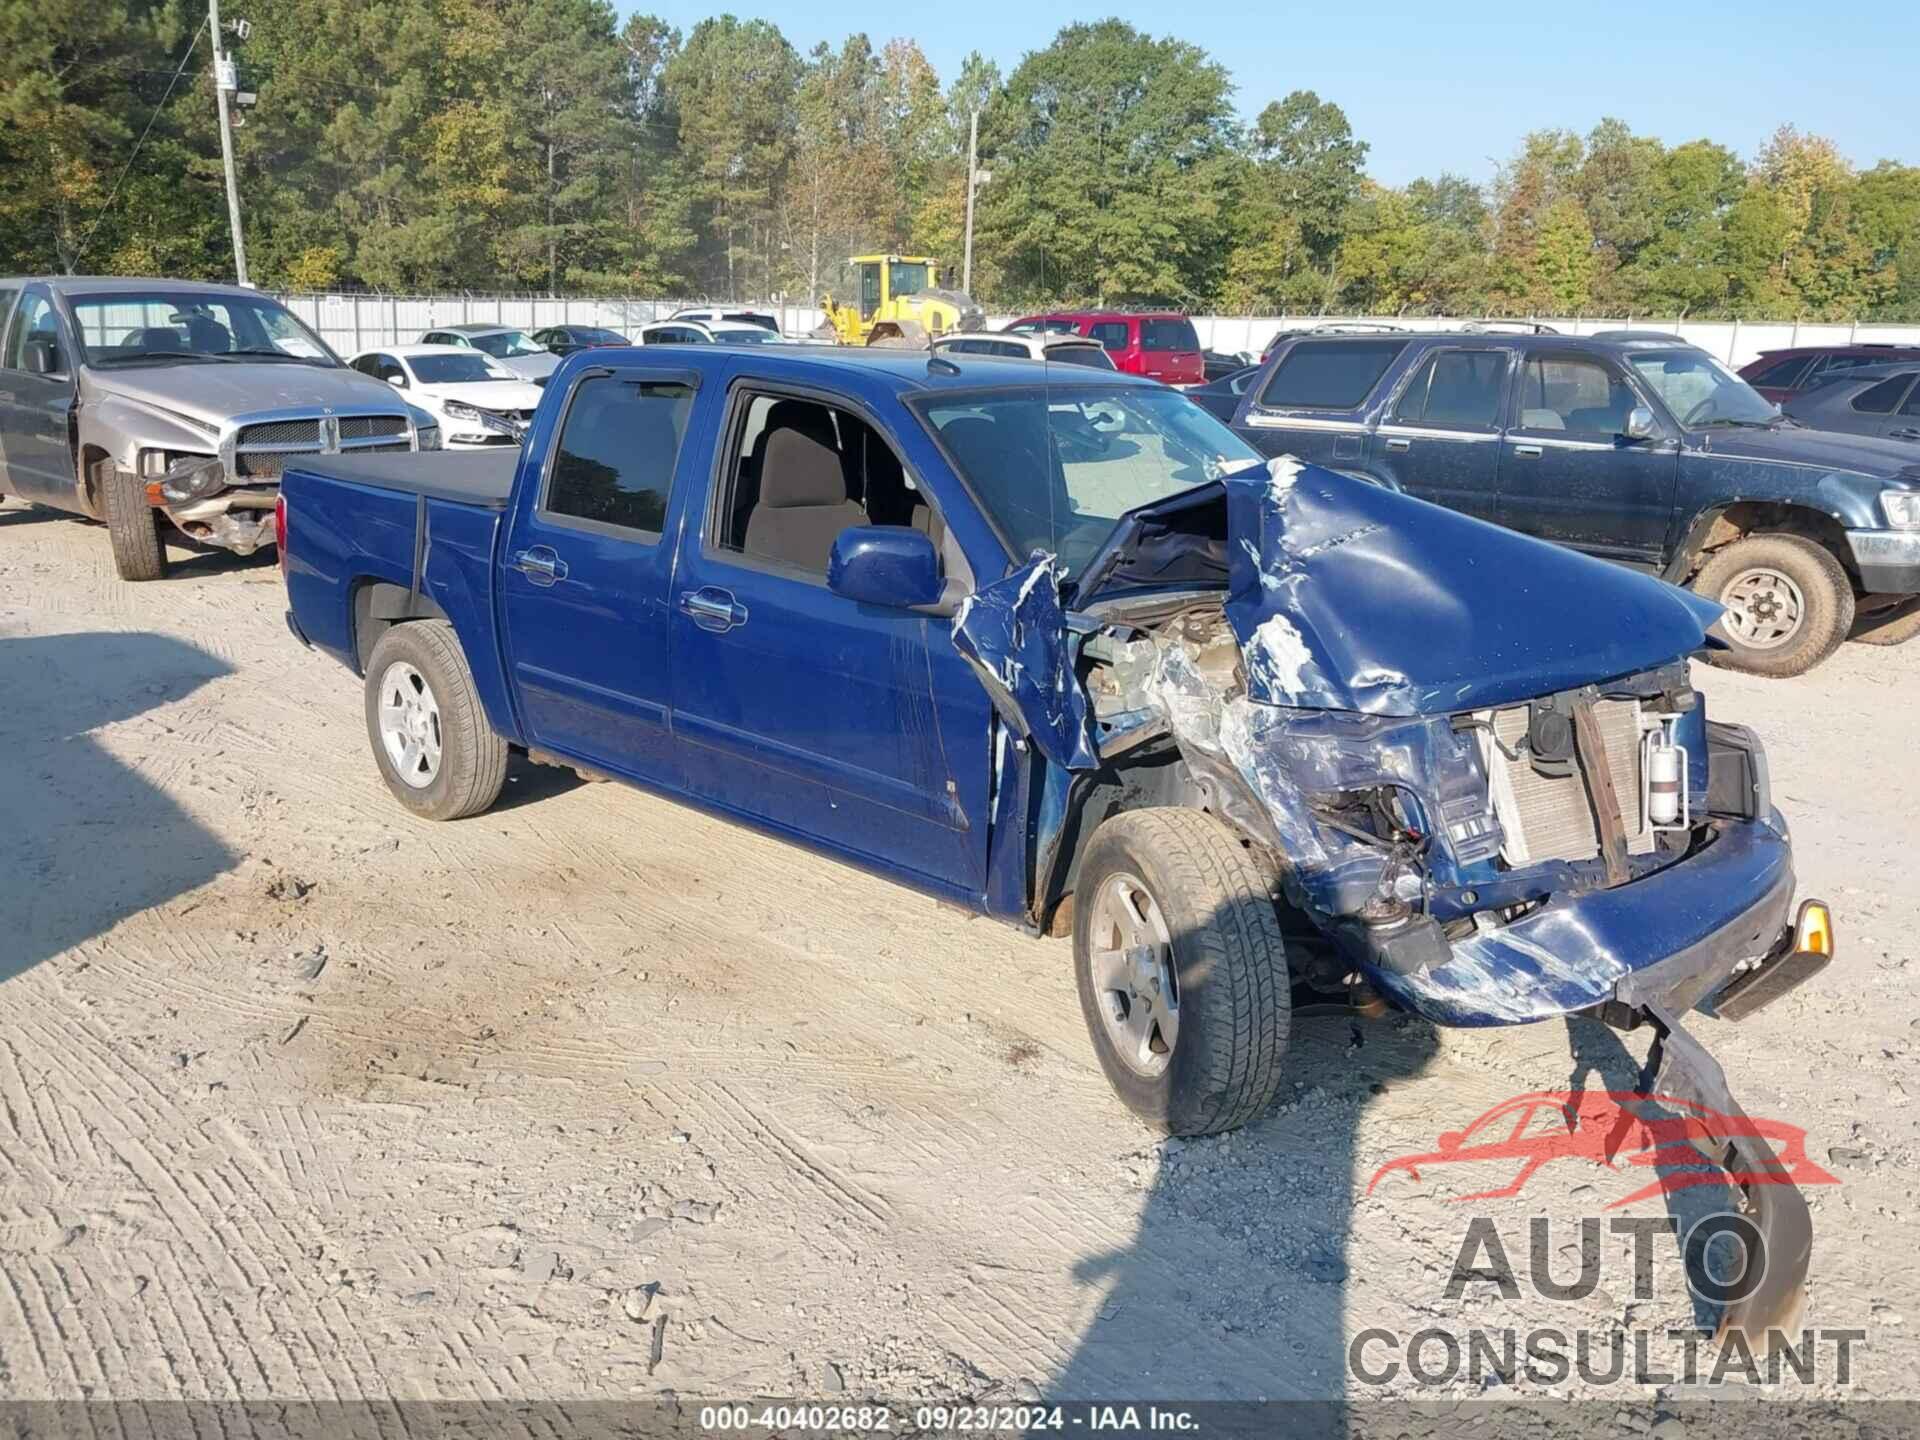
(1888, 560)
(1675, 935)
(240, 519)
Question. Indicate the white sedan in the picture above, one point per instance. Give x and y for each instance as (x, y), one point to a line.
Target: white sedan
(479, 402)
(707, 332)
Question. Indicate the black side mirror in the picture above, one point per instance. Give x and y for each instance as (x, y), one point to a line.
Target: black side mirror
(43, 357)
(891, 565)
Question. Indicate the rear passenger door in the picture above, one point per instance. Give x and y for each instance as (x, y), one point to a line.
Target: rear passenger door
(1569, 473)
(1440, 440)
(1312, 404)
(796, 707)
(587, 569)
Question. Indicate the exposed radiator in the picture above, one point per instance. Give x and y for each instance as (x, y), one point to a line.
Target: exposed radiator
(1548, 817)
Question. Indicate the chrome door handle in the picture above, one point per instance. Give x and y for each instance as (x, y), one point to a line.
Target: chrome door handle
(1528, 452)
(1399, 444)
(713, 608)
(540, 565)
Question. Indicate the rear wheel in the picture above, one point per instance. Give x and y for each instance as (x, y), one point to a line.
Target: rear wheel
(431, 740)
(133, 526)
(1181, 970)
(1789, 603)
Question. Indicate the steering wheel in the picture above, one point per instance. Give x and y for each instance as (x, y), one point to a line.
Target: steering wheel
(1083, 431)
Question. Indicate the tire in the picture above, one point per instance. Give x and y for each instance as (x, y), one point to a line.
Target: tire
(459, 764)
(1225, 961)
(1889, 627)
(132, 525)
(1763, 581)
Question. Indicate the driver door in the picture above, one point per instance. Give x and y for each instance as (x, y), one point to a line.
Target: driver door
(846, 725)
(1568, 473)
(35, 404)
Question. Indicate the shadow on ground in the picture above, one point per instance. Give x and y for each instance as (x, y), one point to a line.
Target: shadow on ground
(1236, 1284)
(84, 840)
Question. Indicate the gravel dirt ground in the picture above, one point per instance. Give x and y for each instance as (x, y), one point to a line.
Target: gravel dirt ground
(594, 1096)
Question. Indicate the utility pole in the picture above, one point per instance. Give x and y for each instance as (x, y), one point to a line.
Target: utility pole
(973, 180)
(225, 82)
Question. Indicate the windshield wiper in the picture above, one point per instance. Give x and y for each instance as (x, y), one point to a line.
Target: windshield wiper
(150, 357)
(265, 354)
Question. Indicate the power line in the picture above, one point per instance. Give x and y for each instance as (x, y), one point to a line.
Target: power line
(114, 193)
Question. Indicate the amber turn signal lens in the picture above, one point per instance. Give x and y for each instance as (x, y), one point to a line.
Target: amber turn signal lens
(1814, 930)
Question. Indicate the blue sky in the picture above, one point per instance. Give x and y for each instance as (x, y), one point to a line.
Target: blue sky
(1435, 86)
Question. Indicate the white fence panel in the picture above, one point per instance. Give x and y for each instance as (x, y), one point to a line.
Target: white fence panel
(351, 323)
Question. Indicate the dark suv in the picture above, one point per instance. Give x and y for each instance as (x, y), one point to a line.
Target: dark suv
(1782, 374)
(1636, 448)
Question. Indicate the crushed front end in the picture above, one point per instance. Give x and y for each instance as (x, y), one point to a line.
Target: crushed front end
(1478, 764)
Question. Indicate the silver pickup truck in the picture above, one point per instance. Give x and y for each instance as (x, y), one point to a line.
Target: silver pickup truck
(167, 409)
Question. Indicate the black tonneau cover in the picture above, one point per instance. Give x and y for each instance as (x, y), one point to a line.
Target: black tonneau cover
(471, 477)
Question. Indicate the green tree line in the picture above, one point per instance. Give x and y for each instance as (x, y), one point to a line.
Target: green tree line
(416, 145)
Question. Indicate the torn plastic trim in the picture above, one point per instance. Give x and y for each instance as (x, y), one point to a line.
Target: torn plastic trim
(1683, 1069)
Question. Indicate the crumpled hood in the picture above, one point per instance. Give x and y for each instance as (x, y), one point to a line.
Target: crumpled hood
(216, 391)
(1872, 455)
(1348, 596)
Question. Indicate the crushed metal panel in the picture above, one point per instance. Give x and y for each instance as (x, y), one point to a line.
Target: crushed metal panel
(1347, 596)
(1014, 635)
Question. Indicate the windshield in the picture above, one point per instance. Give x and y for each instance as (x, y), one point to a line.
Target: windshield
(1055, 467)
(456, 369)
(906, 279)
(745, 336)
(1700, 391)
(503, 344)
(163, 327)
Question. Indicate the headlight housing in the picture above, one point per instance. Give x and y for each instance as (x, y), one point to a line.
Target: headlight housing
(193, 477)
(460, 410)
(429, 437)
(1902, 508)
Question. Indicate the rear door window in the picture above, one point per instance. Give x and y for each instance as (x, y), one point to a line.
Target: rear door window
(618, 448)
(1884, 398)
(1112, 334)
(1329, 374)
(1168, 335)
(1456, 389)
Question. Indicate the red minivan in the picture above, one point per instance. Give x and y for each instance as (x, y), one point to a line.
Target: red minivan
(1161, 345)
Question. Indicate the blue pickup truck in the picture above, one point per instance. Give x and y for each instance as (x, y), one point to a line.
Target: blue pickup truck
(1063, 649)
(1632, 446)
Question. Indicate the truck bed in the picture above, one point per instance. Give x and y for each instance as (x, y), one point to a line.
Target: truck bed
(467, 477)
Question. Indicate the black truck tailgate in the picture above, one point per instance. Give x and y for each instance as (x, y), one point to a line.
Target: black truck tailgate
(470, 477)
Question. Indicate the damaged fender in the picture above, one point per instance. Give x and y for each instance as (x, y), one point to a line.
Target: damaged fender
(1013, 633)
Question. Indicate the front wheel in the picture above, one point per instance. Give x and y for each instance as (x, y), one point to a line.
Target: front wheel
(1181, 970)
(431, 740)
(133, 526)
(1789, 603)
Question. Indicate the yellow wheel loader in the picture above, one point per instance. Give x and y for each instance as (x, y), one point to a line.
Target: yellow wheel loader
(900, 298)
